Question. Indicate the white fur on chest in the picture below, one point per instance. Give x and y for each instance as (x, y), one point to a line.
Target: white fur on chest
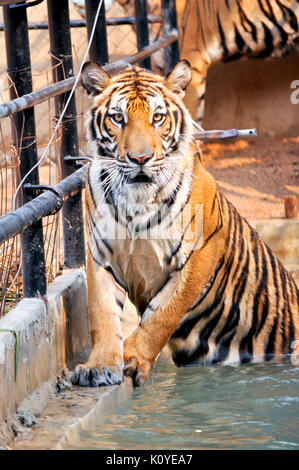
(137, 235)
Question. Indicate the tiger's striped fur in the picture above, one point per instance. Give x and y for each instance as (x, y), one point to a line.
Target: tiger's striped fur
(214, 31)
(217, 295)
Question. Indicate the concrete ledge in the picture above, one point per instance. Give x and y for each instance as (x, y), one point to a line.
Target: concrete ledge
(63, 416)
(67, 302)
(70, 438)
(25, 346)
(38, 339)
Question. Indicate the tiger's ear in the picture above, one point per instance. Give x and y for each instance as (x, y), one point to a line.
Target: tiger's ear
(179, 78)
(94, 79)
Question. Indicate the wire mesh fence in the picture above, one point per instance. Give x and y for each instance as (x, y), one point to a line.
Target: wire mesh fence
(121, 43)
(49, 173)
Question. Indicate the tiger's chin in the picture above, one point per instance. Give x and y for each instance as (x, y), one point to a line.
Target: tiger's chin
(141, 186)
(137, 194)
(141, 178)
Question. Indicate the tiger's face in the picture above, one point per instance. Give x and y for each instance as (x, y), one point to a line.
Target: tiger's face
(138, 127)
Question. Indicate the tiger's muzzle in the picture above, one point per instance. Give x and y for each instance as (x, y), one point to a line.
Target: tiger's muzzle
(139, 159)
(142, 173)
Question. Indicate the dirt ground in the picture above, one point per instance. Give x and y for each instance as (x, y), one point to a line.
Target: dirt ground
(255, 174)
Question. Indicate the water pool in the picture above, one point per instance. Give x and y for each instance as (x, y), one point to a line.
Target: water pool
(224, 407)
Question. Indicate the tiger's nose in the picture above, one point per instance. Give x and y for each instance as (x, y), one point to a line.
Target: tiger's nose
(139, 159)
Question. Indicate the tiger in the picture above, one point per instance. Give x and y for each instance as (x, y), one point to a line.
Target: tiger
(206, 284)
(213, 31)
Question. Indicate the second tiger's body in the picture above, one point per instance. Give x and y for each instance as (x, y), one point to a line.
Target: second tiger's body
(213, 31)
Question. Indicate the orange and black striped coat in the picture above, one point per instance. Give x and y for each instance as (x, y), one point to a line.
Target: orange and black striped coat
(161, 232)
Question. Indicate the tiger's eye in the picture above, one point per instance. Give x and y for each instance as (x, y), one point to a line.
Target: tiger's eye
(118, 118)
(158, 117)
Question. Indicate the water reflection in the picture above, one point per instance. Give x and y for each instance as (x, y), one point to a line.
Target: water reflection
(240, 407)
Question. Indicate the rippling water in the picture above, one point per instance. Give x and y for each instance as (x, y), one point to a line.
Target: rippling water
(222, 407)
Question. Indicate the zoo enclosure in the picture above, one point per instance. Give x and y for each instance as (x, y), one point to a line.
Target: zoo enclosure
(37, 201)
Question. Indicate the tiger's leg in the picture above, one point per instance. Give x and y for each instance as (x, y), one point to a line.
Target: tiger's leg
(158, 323)
(105, 303)
(170, 304)
(195, 93)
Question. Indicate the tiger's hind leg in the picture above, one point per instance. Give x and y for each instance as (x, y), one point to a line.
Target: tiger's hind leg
(105, 302)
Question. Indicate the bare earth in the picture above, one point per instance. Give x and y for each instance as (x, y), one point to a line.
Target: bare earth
(255, 174)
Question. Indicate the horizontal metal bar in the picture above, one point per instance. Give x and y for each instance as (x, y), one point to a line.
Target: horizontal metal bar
(45, 204)
(39, 188)
(131, 20)
(25, 4)
(128, 20)
(224, 134)
(36, 97)
(148, 51)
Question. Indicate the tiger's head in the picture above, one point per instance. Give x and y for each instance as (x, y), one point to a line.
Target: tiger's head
(138, 127)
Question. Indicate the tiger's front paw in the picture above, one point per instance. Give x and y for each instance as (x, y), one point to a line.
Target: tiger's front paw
(136, 365)
(138, 373)
(89, 375)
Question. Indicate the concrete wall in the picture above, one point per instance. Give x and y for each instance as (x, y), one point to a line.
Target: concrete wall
(38, 339)
(253, 93)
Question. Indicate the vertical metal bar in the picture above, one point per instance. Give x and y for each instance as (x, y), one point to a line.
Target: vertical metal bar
(169, 21)
(19, 69)
(142, 30)
(61, 49)
(98, 52)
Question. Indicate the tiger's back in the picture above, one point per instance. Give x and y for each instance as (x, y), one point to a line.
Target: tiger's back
(214, 31)
(229, 30)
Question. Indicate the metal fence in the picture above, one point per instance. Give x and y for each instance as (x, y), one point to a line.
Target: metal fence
(46, 216)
